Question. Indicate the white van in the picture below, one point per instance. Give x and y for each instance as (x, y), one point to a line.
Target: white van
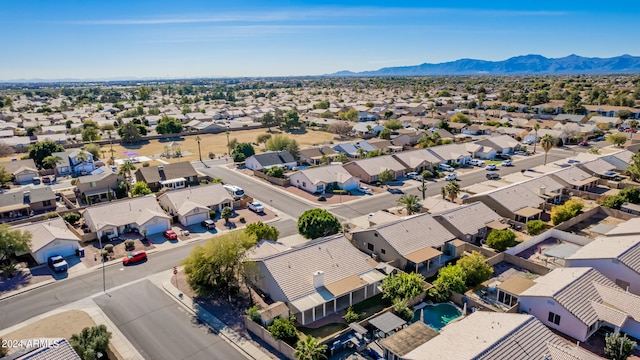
(235, 191)
(445, 167)
(477, 162)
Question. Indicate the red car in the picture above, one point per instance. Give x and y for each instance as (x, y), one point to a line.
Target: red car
(631, 130)
(170, 234)
(134, 257)
(584, 143)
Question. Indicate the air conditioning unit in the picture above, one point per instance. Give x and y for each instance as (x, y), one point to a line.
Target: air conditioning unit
(375, 256)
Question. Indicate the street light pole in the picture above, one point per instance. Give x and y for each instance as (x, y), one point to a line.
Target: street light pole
(199, 152)
(228, 146)
(104, 283)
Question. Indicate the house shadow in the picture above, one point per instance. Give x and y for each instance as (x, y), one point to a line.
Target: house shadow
(230, 225)
(171, 139)
(135, 145)
(299, 131)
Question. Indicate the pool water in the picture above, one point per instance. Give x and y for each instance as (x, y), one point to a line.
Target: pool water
(439, 315)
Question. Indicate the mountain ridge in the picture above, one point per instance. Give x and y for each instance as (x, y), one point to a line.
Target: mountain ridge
(532, 64)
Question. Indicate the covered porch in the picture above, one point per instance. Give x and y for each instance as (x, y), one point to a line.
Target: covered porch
(172, 184)
(426, 258)
(99, 195)
(14, 212)
(527, 213)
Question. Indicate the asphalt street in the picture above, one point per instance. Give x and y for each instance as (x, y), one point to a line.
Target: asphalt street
(160, 328)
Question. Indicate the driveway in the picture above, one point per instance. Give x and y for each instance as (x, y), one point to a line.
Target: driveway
(159, 327)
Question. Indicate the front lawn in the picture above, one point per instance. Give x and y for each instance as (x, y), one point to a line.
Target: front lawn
(323, 331)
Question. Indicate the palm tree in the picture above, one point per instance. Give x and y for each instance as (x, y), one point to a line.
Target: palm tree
(546, 142)
(310, 349)
(536, 127)
(82, 157)
(51, 161)
(126, 168)
(411, 203)
(443, 192)
(453, 189)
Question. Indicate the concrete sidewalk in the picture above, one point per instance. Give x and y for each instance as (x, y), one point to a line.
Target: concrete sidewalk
(244, 346)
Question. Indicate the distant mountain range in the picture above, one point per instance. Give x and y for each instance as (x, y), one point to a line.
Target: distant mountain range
(519, 65)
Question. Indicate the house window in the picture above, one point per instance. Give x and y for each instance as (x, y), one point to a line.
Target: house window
(370, 246)
(554, 318)
(304, 184)
(383, 251)
(46, 203)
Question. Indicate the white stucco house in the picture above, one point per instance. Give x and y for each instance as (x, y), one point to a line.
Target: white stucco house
(49, 237)
(270, 159)
(316, 180)
(193, 204)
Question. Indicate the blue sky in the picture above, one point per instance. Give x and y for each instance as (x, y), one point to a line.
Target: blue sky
(146, 39)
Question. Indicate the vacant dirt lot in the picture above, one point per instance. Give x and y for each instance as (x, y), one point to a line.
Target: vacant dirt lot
(61, 325)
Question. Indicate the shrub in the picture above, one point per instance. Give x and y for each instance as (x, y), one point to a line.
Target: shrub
(275, 171)
(351, 316)
(535, 227)
(568, 210)
(129, 245)
(212, 155)
(72, 217)
(402, 286)
(50, 215)
(145, 164)
(322, 198)
(90, 341)
(104, 253)
(242, 219)
(254, 315)
(450, 278)
(427, 174)
(74, 181)
(341, 192)
(500, 240)
(109, 248)
(402, 309)
(475, 269)
(283, 329)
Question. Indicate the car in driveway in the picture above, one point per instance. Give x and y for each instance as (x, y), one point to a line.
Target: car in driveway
(490, 167)
(583, 143)
(477, 162)
(365, 190)
(208, 224)
(492, 175)
(57, 263)
(134, 257)
(256, 207)
(413, 175)
(450, 177)
(170, 234)
(506, 163)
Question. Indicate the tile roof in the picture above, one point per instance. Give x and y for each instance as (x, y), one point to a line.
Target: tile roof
(46, 231)
(36, 194)
(376, 165)
(625, 249)
(574, 176)
(198, 196)
(516, 197)
(137, 210)
(416, 158)
(468, 219)
(57, 350)
(620, 300)
(19, 165)
(326, 174)
(599, 166)
(152, 174)
(293, 269)
(408, 235)
(271, 158)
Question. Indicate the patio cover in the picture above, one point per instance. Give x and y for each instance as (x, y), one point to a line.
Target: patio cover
(402, 342)
(561, 251)
(358, 328)
(423, 255)
(602, 228)
(345, 285)
(584, 181)
(609, 314)
(497, 225)
(14, 207)
(515, 285)
(97, 192)
(528, 212)
(312, 300)
(387, 322)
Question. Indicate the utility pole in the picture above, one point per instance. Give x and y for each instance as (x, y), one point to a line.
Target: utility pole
(199, 152)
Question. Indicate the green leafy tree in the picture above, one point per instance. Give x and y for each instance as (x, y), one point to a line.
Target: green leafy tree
(616, 139)
(401, 308)
(450, 278)
(275, 171)
(91, 341)
(385, 134)
(263, 138)
(624, 114)
(547, 143)
(144, 93)
(500, 240)
(140, 188)
(388, 114)
(72, 217)
(12, 242)
(281, 142)
(410, 203)
(51, 161)
(316, 223)
(349, 115)
(41, 150)
(215, 265)
(126, 168)
(386, 176)
(269, 120)
(90, 134)
(285, 330)
(562, 213)
(130, 133)
(245, 149)
(310, 348)
(475, 268)
(460, 118)
(403, 286)
(226, 213)
(5, 176)
(342, 157)
(262, 231)
(168, 125)
(573, 103)
(535, 227)
(324, 104)
(393, 124)
(618, 347)
(351, 316)
(93, 149)
(291, 120)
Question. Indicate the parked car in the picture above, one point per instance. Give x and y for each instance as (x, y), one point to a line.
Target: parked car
(528, 142)
(208, 223)
(452, 176)
(170, 234)
(507, 163)
(445, 167)
(583, 143)
(492, 175)
(134, 257)
(490, 167)
(631, 131)
(234, 191)
(57, 263)
(477, 162)
(365, 190)
(503, 156)
(256, 207)
(413, 175)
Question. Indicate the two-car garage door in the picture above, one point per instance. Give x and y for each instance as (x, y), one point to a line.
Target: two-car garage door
(56, 247)
(193, 219)
(156, 225)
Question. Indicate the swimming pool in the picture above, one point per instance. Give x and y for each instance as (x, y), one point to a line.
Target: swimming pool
(439, 315)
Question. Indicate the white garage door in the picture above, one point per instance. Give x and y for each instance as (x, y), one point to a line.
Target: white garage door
(157, 227)
(62, 248)
(24, 178)
(195, 218)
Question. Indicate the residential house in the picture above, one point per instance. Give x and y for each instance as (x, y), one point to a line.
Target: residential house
(476, 129)
(503, 144)
(23, 170)
(488, 335)
(49, 237)
(368, 170)
(408, 137)
(472, 222)
(119, 217)
(575, 178)
(354, 149)
(384, 145)
(263, 161)
(514, 202)
(418, 160)
(403, 243)
(452, 154)
(319, 278)
(620, 159)
(17, 142)
(97, 187)
(324, 178)
(171, 176)
(193, 204)
(362, 129)
(315, 155)
(76, 161)
(578, 301)
(565, 118)
(26, 202)
(54, 349)
(610, 122)
(611, 111)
